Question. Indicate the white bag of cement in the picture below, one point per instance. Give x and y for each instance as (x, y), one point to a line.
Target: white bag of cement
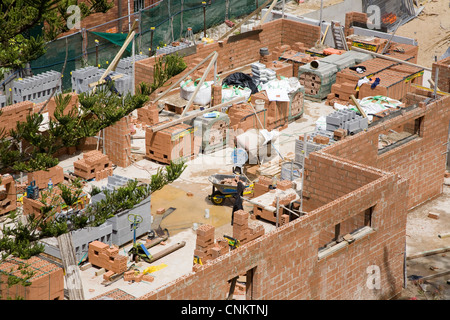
(321, 123)
(203, 96)
(231, 93)
(278, 90)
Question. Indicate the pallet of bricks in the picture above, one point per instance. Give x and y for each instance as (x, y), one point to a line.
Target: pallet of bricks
(317, 81)
(206, 248)
(242, 230)
(347, 79)
(15, 113)
(8, 197)
(148, 114)
(395, 82)
(93, 165)
(170, 144)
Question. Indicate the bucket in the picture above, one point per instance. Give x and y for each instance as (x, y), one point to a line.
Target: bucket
(290, 171)
(259, 104)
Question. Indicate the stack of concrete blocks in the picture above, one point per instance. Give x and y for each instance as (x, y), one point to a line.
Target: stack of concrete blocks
(81, 78)
(80, 239)
(341, 61)
(37, 88)
(213, 132)
(168, 49)
(93, 165)
(103, 255)
(206, 248)
(122, 228)
(242, 230)
(315, 141)
(261, 74)
(348, 120)
(317, 81)
(2, 101)
(248, 26)
(125, 65)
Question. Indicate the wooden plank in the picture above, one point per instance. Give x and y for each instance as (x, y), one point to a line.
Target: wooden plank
(427, 253)
(268, 12)
(199, 85)
(72, 272)
(197, 114)
(184, 77)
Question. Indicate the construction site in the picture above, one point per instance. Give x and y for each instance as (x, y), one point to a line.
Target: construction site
(231, 150)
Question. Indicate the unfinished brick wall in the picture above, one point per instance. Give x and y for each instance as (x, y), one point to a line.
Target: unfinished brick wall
(354, 18)
(421, 160)
(286, 264)
(8, 197)
(42, 177)
(47, 282)
(238, 53)
(444, 74)
(102, 255)
(15, 113)
(118, 142)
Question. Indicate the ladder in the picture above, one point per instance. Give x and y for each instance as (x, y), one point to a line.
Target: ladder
(338, 36)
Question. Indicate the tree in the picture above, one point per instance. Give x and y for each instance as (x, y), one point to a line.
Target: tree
(48, 17)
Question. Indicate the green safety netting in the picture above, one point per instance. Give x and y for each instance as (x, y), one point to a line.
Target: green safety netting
(159, 25)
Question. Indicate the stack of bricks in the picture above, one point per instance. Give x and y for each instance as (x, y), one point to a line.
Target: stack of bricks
(347, 80)
(443, 75)
(170, 144)
(46, 282)
(284, 185)
(339, 134)
(136, 276)
(242, 230)
(392, 85)
(216, 94)
(205, 246)
(102, 255)
(242, 116)
(118, 142)
(15, 113)
(321, 139)
(261, 186)
(376, 45)
(148, 114)
(8, 197)
(297, 57)
(42, 177)
(354, 18)
(283, 69)
(93, 165)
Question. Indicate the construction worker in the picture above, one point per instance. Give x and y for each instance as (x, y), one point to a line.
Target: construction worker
(238, 198)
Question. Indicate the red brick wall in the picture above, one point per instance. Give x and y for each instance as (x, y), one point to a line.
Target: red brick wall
(286, 261)
(444, 74)
(242, 52)
(118, 142)
(421, 160)
(15, 113)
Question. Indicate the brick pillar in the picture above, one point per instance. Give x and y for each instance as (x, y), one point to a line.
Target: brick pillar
(444, 74)
(216, 94)
(118, 142)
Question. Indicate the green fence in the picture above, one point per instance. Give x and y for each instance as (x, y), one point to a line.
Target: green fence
(161, 23)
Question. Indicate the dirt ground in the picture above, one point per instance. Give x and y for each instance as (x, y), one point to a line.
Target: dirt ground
(422, 235)
(431, 29)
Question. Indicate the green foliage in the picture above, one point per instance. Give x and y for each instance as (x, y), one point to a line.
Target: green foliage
(47, 17)
(97, 111)
(165, 68)
(159, 180)
(119, 200)
(69, 196)
(174, 170)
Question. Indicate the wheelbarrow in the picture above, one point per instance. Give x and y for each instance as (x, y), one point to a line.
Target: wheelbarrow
(222, 191)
